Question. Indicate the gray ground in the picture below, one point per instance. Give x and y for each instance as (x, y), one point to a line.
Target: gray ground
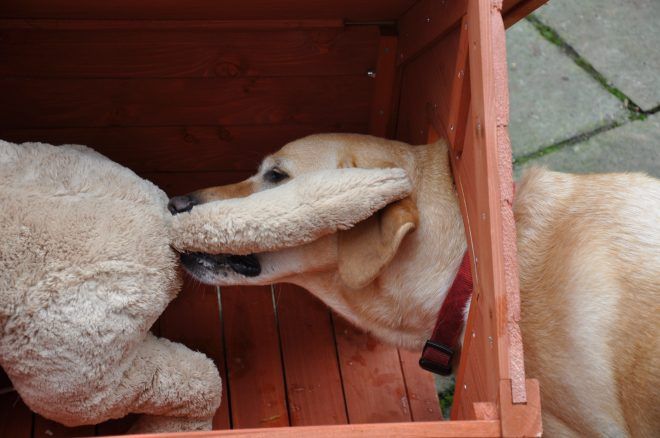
(584, 78)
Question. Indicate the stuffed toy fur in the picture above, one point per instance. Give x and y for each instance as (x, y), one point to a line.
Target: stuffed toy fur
(86, 267)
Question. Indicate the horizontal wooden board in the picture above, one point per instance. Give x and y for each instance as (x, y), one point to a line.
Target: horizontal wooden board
(180, 183)
(139, 53)
(183, 149)
(206, 9)
(435, 429)
(173, 102)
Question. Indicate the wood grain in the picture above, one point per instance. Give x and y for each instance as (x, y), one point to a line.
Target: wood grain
(255, 375)
(382, 100)
(372, 377)
(180, 149)
(180, 53)
(436, 429)
(15, 417)
(193, 319)
(176, 102)
(206, 9)
(313, 380)
(44, 428)
(420, 388)
(426, 89)
(425, 23)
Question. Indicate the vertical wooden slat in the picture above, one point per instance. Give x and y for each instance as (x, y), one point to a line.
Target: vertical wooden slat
(313, 380)
(420, 388)
(381, 103)
(371, 372)
(193, 319)
(492, 352)
(15, 417)
(254, 366)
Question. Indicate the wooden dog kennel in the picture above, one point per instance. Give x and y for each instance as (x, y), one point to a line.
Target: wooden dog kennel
(193, 93)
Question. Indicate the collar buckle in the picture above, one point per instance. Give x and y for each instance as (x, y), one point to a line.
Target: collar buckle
(437, 358)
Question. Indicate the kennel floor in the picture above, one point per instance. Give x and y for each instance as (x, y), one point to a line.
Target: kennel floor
(285, 360)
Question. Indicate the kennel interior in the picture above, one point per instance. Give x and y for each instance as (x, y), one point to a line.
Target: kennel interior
(192, 94)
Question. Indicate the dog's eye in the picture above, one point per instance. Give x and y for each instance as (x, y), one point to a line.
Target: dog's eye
(275, 175)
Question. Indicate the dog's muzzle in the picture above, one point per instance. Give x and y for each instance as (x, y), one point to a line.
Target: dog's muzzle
(247, 265)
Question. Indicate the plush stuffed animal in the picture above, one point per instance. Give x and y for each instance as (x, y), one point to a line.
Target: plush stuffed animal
(86, 267)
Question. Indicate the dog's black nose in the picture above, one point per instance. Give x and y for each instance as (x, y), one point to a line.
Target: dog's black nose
(179, 204)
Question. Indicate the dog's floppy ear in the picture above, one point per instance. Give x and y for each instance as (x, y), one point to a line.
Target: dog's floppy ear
(365, 249)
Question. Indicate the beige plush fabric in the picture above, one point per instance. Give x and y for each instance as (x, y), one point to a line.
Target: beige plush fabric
(300, 211)
(85, 269)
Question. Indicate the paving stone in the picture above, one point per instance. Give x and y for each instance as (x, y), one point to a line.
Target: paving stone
(620, 38)
(632, 147)
(551, 98)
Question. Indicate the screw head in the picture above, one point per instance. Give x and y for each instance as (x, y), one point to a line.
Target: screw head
(371, 73)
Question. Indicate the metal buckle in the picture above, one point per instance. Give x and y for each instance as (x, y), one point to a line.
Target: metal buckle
(435, 367)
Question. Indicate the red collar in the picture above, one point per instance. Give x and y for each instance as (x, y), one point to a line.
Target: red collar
(438, 352)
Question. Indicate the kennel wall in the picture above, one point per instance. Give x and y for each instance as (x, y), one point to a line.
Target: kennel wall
(192, 94)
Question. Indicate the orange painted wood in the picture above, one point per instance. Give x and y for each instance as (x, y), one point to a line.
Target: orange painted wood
(206, 9)
(460, 96)
(116, 427)
(176, 102)
(182, 149)
(193, 319)
(515, 10)
(483, 178)
(169, 24)
(180, 183)
(44, 428)
(15, 417)
(373, 381)
(426, 89)
(521, 419)
(98, 52)
(436, 429)
(382, 103)
(420, 388)
(255, 375)
(313, 381)
(424, 24)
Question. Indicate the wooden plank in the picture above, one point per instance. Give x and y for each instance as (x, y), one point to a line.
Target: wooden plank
(181, 183)
(483, 178)
(313, 380)
(180, 53)
(206, 9)
(196, 24)
(173, 102)
(15, 417)
(193, 319)
(381, 103)
(255, 376)
(44, 428)
(515, 10)
(424, 24)
(373, 382)
(184, 148)
(459, 99)
(437, 429)
(420, 388)
(116, 427)
(426, 90)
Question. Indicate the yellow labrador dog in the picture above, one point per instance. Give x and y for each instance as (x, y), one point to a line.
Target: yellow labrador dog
(589, 260)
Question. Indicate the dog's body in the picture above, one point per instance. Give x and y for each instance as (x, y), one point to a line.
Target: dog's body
(589, 263)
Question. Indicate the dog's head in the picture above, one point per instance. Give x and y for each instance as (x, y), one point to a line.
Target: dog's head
(357, 255)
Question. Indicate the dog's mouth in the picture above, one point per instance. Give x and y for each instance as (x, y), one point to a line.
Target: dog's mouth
(199, 262)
